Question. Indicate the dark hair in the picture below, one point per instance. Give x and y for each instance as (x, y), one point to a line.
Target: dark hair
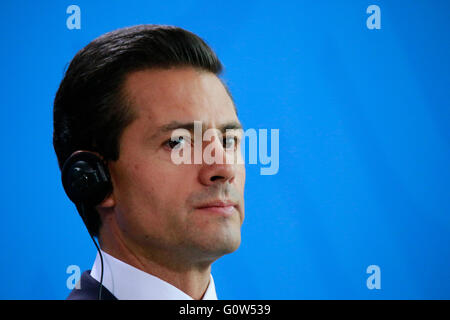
(90, 108)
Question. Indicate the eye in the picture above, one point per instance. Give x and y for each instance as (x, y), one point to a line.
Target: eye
(175, 142)
(230, 142)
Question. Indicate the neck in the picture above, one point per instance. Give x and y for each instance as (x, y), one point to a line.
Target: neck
(173, 267)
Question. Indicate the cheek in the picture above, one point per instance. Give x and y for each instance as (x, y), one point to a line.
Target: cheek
(152, 184)
(164, 187)
(134, 189)
(240, 177)
(148, 201)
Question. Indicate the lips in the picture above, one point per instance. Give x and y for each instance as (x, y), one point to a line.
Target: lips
(220, 207)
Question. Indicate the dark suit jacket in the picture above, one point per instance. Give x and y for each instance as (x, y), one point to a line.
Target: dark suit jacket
(89, 289)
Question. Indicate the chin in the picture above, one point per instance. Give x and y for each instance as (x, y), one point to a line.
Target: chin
(223, 244)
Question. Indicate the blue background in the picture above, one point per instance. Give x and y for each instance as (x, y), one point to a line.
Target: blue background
(364, 143)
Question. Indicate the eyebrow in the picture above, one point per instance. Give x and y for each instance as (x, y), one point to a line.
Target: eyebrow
(173, 125)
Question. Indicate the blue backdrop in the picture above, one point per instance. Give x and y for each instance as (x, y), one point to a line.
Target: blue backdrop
(363, 116)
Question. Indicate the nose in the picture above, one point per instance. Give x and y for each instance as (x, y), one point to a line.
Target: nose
(218, 170)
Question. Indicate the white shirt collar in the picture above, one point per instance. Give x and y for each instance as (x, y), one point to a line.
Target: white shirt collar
(126, 282)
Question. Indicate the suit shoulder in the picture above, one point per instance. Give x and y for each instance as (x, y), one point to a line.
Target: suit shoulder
(88, 289)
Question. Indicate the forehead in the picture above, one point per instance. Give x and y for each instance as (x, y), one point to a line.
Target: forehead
(160, 96)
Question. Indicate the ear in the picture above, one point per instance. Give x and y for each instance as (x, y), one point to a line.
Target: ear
(108, 202)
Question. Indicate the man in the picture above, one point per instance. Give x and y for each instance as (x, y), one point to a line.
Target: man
(161, 225)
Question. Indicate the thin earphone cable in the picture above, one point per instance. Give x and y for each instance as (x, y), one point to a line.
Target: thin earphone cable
(100, 254)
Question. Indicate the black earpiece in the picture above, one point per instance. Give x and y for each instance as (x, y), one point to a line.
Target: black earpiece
(86, 179)
(87, 182)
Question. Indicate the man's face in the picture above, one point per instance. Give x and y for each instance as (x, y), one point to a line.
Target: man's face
(157, 203)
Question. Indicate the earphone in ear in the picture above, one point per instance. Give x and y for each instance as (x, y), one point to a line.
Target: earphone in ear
(85, 178)
(87, 182)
